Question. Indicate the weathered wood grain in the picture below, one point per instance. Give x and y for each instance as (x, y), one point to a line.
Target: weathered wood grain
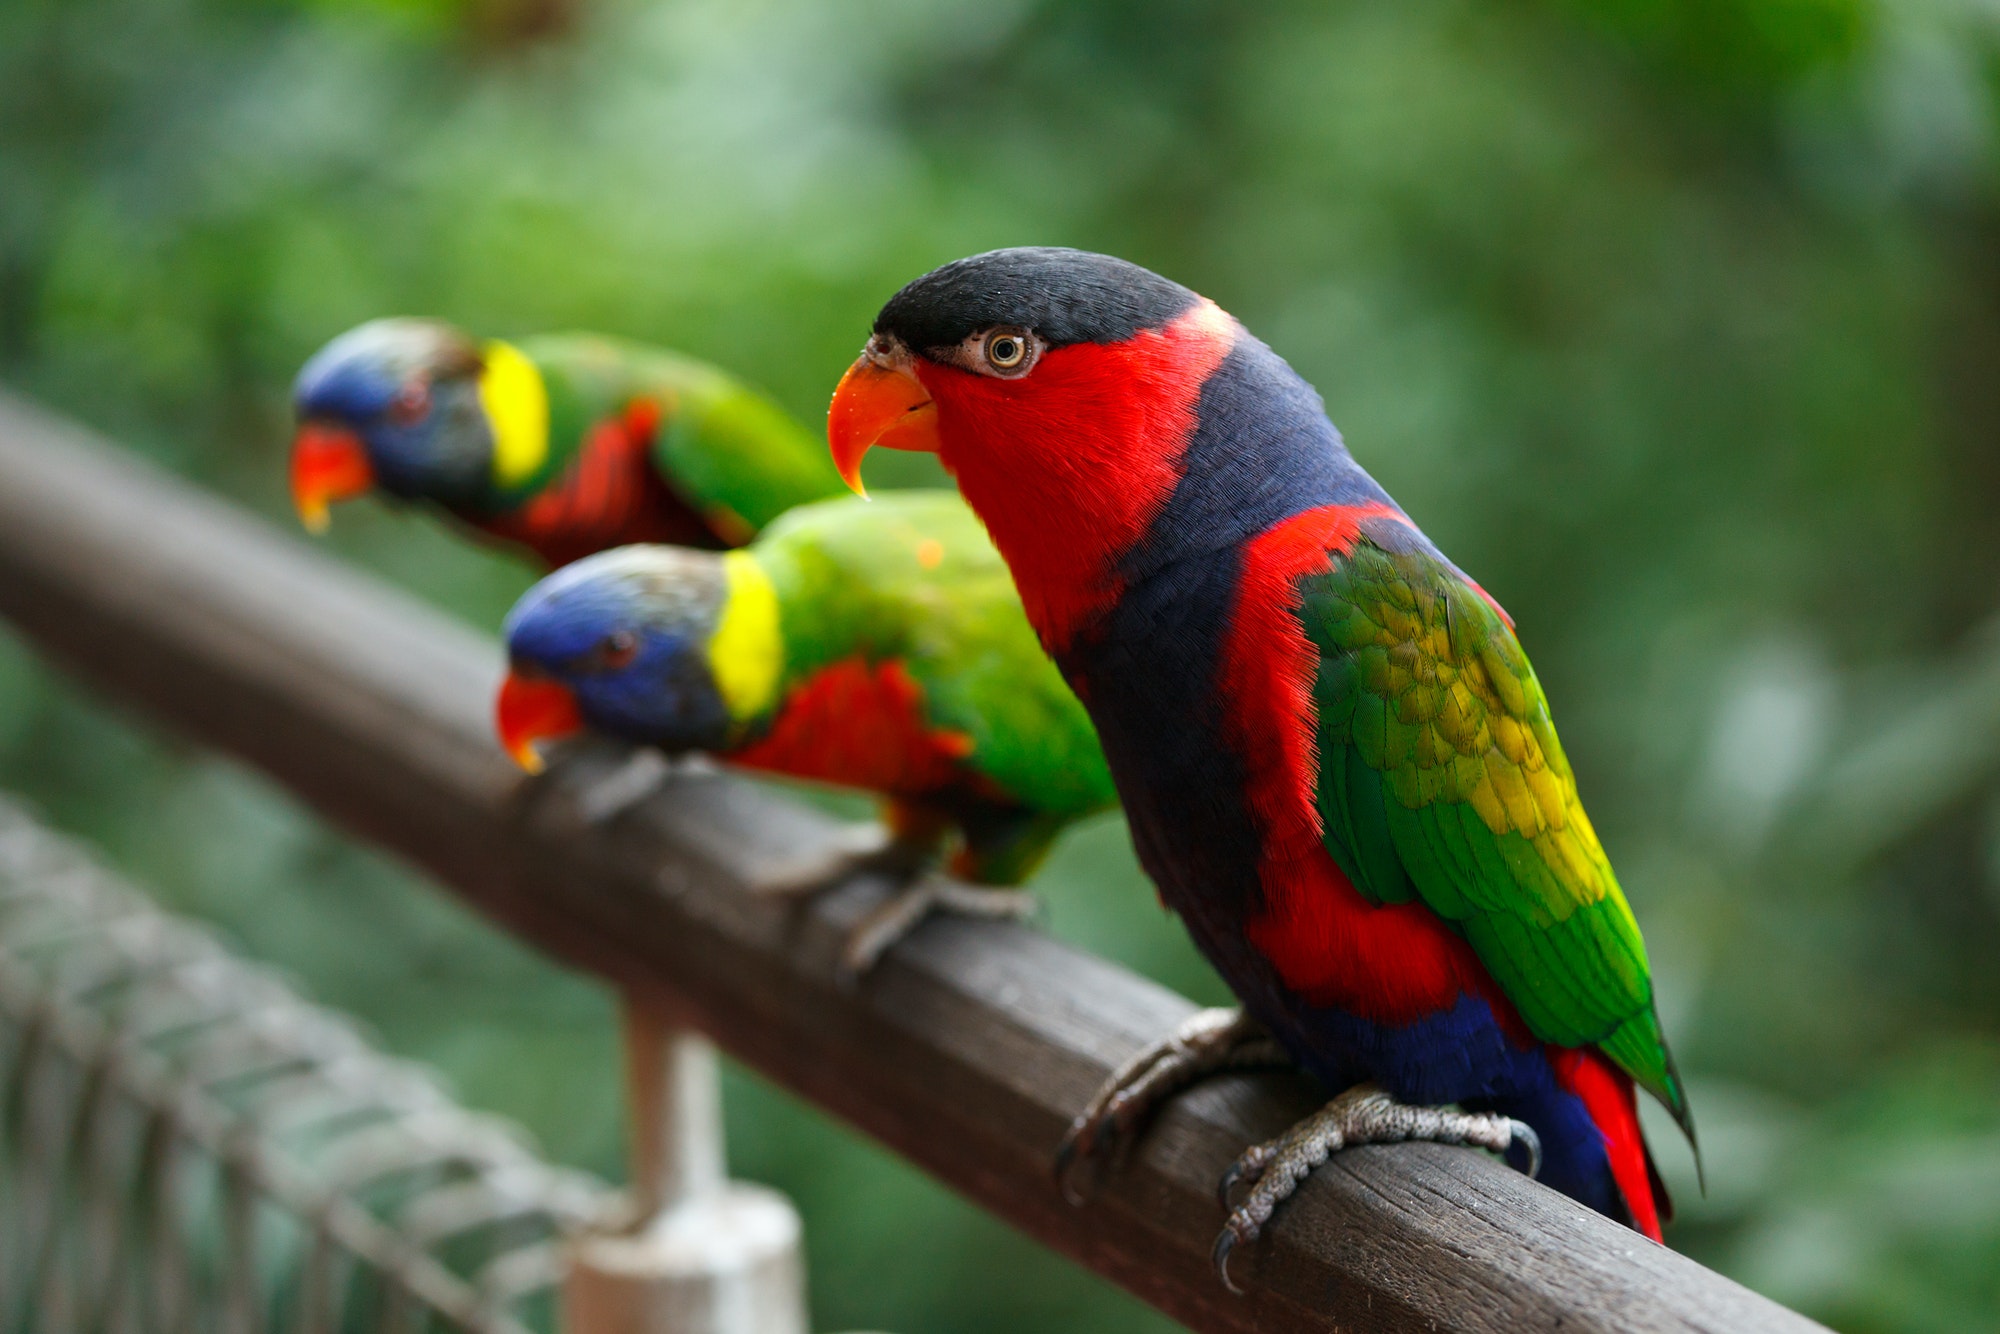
(966, 1051)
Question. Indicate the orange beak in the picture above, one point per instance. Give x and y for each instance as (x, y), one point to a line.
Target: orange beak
(532, 709)
(878, 403)
(329, 463)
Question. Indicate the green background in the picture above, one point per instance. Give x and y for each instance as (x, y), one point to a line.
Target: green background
(1676, 324)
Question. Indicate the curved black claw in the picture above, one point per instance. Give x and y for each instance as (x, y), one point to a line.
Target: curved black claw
(1101, 1135)
(1090, 1145)
(1227, 1186)
(1095, 1141)
(1067, 1161)
(1531, 1143)
(1225, 1242)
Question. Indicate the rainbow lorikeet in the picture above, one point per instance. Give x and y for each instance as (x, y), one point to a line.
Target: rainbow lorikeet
(566, 444)
(1338, 765)
(877, 646)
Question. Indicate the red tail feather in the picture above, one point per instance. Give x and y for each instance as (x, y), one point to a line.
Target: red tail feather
(1607, 1095)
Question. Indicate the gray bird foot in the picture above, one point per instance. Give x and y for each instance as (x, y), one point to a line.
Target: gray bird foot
(855, 848)
(929, 892)
(639, 777)
(863, 848)
(1364, 1114)
(1208, 1042)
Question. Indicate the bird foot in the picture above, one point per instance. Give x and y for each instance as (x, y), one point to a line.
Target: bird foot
(1208, 1042)
(864, 848)
(639, 777)
(854, 849)
(929, 892)
(1364, 1114)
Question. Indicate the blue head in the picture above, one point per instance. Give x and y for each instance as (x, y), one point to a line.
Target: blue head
(393, 404)
(622, 642)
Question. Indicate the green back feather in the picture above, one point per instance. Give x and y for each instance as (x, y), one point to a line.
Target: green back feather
(724, 446)
(911, 576)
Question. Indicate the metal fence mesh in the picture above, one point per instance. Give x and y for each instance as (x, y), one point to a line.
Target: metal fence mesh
(185, 1144)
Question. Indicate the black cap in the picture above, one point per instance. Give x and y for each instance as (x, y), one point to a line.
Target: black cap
(1065, 296)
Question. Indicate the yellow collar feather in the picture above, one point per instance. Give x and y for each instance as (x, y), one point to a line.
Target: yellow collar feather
(517, 410)
(747, 651)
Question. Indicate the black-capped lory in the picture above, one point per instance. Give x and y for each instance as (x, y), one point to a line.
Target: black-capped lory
(565, 444)
(877, 646)
(1338, 765)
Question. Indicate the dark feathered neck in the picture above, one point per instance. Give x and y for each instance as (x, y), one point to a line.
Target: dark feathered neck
(1263, 450)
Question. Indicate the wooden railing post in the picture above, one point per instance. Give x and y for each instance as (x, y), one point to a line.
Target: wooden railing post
(697, 1253)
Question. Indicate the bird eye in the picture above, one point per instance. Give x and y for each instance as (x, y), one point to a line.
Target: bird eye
(1006, 349)
(411, 402)
(617, 650)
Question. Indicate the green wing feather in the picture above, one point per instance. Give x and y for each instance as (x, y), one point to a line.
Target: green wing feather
(725, 447)
(1441, 779)
(912, 576)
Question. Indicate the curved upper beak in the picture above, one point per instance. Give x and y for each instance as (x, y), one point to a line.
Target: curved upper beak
(878, 402)
(530, 710)
(329, 463)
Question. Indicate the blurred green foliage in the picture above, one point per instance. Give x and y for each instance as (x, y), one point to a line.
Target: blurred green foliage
(1677, 323)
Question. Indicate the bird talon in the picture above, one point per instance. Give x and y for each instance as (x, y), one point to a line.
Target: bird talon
(1000, 905)
(921, 895)
(1248, 1169)
(1225, 1242)
(1079, 1166)
(1208, 1041)
(1525, 1136)
(852, 850)
(1073, 1197)
(1074, 1153)
(641, 774)
(1227, 1186)
(1364, 1114)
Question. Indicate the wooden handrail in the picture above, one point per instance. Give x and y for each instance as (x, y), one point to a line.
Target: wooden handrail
(966, 1051)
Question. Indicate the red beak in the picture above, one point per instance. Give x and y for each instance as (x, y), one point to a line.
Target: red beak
(532, 709)
(329, 463)
(878, 403)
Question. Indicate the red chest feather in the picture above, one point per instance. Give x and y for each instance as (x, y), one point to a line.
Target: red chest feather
(1391, 964)
(860, 724)
(608, 496)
